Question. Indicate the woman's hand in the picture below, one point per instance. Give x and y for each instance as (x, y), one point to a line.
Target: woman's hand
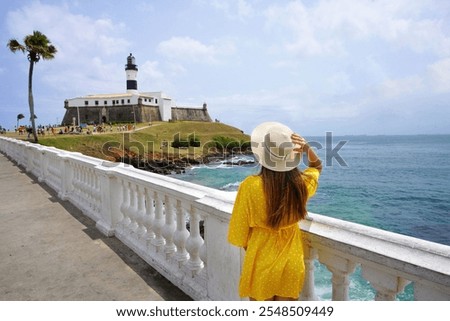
(301, 146)
(299, 142)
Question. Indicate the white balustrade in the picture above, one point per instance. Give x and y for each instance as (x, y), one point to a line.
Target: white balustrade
(341, 268)
(169, 227)
(158, 223)
(132, 210)
(149, 216)
(124, 207)
(387, 285)
(310, 255)
(180, 236)
(194, 243)
(161, 219)
(140, 215)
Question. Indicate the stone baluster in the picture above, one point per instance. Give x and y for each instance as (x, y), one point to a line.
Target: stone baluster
(82, 181)
(203, 253)
(140, 216)
(133, 209)
(97, 190)
(77, 183)
(44, 164)
(98, 193)
(149, 215)
(194, 243)
(67, 172)
(74, 176)
(158, 223)
(180, 236)
(125, 205)
(169, 227)
(341, 268)
(81, 190)
(310, 255)
(427, 291)
(89, 193)
(387, 285)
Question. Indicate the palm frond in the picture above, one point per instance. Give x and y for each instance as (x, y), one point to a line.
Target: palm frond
(14, 46)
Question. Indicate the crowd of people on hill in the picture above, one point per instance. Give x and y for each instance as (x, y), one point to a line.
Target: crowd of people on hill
(54, 129)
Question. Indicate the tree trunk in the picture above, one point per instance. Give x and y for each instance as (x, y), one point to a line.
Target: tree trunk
(31, 102)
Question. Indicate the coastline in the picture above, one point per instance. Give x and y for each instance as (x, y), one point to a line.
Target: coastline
(169, 164)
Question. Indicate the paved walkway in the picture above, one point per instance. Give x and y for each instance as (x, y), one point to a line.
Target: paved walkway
(50, 251)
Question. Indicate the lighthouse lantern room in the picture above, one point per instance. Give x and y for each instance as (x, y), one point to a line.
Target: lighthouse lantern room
(131, 71)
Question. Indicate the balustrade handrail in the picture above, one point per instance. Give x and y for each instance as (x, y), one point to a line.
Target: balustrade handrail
(180, 229)
(402, 253)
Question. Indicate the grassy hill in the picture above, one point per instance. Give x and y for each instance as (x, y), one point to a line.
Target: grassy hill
(155, 140)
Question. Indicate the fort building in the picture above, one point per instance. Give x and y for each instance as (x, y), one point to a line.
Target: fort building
(129, 107)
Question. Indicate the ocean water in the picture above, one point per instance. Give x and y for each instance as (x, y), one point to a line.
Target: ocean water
(396, 183)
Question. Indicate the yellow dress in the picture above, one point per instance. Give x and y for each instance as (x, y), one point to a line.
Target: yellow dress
(273, 263)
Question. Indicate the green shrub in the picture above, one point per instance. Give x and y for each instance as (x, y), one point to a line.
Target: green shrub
(194, 141)
(178, 143)
(230, 144)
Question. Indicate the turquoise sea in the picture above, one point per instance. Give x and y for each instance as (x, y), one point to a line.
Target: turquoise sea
(396, 183)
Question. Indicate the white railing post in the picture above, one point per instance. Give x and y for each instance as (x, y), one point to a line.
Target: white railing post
(194, 243)
(124, 207)
(158, 223)
(429, 291)
(28, 161)
(43, 160)
(169, 227)
(149, 217)
(133, 210)
(140, 216)
(111, 199)
(180, 236)
(341, 269)
(66, 178)
(386, 284)
(222, 261)
(310, 254)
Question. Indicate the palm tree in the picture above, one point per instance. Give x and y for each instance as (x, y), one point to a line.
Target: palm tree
(37, 46)
(19, 117)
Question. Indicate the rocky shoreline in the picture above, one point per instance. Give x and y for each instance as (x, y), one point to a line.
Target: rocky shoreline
(169, 164)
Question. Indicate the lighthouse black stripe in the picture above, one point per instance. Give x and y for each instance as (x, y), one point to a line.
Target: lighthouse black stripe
(132, 84)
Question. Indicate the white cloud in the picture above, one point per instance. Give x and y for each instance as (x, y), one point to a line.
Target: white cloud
(290, 102)
(439, 74)
(83, 43)
(191, 50)
(69, 32)
(394, 88)
(327, 27)
(299, 21)
(233, 9)
(151, 69)
(339, 84)
(152, 78)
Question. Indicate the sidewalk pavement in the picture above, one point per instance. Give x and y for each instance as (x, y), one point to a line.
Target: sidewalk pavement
(50, 251)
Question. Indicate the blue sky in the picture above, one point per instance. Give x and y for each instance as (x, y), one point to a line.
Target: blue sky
(347, 67)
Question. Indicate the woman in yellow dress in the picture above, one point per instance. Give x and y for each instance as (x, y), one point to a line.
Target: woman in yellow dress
(266, 213)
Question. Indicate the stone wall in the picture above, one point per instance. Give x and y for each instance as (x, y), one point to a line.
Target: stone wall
(193, 114)
(124, 114)
(113, 114)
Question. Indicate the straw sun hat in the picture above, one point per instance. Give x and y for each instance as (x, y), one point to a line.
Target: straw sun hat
(273, 148)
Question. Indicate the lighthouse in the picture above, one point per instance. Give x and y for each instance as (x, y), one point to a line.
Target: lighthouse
(131, 71)
(132, 106)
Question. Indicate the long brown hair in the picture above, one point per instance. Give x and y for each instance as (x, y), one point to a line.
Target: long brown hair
(286, 196)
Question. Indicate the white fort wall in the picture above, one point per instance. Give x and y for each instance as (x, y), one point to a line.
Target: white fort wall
(148, 213)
